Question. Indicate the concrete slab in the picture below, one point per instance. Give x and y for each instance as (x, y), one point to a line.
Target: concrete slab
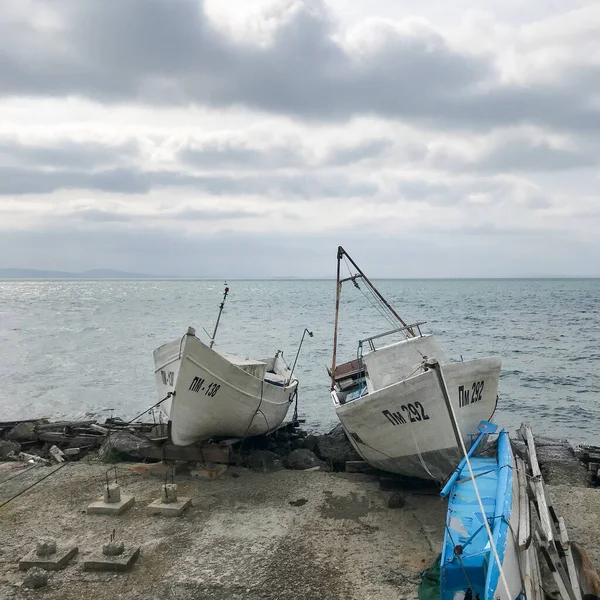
(52, 562)
(172, 509)
(111, 508)
(122, 562)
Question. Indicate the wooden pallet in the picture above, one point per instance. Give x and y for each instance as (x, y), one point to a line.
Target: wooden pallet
(550, 538)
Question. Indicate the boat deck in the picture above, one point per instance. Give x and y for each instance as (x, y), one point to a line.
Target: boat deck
(465, 526)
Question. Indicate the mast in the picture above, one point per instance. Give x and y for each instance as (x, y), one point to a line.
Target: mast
(340, 254)
(338, 284)
(212, 339)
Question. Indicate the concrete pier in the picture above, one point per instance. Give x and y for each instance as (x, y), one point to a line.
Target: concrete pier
(48, 555)
(281, 535)
(113, 502)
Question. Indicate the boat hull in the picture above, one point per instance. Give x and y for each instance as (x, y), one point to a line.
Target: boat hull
(213, 398)
(475, 566)
(405, 428)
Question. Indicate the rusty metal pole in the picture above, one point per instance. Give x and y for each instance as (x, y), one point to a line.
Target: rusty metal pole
(338, 285)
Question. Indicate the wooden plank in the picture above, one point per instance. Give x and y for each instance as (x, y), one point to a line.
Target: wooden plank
(538, 588)
(552, 566)
(60, 425)
(538, 485)
(216, 453)
(74, 440)
(99, 429)
(572, 571)
(528, 573)
(524, 535)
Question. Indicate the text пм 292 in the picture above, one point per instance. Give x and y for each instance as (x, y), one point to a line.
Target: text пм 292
(469, 396)
(413, 412)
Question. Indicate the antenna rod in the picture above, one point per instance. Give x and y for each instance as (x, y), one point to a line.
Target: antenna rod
(338, 286)
(310, 334)
(342, 252)
(212, 339)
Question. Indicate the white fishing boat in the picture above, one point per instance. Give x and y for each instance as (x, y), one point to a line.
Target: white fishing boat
(211, 395)
(390, 403)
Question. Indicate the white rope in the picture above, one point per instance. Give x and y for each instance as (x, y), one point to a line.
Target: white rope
(485, 521)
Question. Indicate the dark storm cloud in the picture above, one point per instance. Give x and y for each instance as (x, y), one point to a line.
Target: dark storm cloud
(159, 51)
(21, 180)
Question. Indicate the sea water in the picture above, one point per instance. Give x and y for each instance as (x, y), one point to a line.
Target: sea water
(74, 348)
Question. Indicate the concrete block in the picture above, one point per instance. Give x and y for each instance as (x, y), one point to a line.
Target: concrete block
(99, 561)
(113, 548)
(50, 561)
(111, 508)
(172, 509)
(168, 493)
(112, 493)
(45, 547)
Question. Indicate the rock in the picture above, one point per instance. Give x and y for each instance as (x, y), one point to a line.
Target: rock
(309, 442)
(396, 501)
(35, 579)
(124, 444)
(335, 449)
(208, 470)
(23, 432)
(299, 502)
(46, 546)
(57, 454)
(33, 459)
(7, 447)
(263, 460)
(302, 459)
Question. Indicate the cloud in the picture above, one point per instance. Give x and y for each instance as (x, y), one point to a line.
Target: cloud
(292, 132)
(516, 150)
(308, 68)
(21, 181)
(299, 254)
(60, 153)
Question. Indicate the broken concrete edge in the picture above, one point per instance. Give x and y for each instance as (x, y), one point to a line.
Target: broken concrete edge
(119, 563)
(172, 509)
(113, 508)
(53, 562)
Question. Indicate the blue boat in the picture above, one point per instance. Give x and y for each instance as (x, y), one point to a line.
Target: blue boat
(469, 567)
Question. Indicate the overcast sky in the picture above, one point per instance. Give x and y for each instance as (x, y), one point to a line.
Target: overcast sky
(232, 138)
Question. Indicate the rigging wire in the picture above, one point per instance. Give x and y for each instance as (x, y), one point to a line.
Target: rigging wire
(34, 484)
(380, 307)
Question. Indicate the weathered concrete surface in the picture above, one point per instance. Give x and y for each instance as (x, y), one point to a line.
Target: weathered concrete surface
(580, 507)
(282, 535)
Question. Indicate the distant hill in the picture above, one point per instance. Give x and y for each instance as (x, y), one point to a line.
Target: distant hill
(92, 274)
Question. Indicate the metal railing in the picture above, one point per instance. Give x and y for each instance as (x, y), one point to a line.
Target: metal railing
(369, 340)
